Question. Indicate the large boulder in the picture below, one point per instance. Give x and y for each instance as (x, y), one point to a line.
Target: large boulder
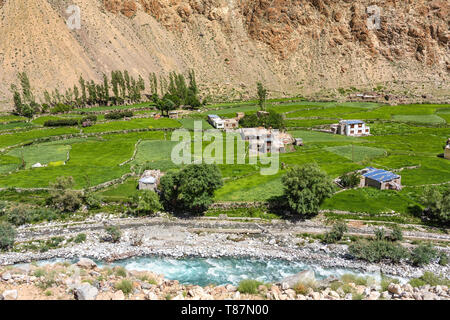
(10, 295)
(86, 263)
(305, 277)
(85, 292)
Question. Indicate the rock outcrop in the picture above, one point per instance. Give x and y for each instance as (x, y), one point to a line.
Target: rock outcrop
(296, 47)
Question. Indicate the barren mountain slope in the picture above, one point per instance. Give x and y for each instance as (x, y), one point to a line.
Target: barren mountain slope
(294, 46)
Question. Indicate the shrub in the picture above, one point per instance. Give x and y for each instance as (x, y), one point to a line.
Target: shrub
(378, 250)
(379, 234)
(62, 198)
(336, 233)
(120, 272)
(61, 123)
(443, 259)
(301, 288)
(396, 234)
(437, 204)
(350, 180)
(18, 216)
(92, 118)
(119, 115)
(22, 214)
(431, 279)
(7, 236)
(249, 286)
(92, 200)
(80, 238)
(386, 281)
(125, 285)
(305, 188)
(60, 108)
(145, 203)
(423, 254)
(114, 233)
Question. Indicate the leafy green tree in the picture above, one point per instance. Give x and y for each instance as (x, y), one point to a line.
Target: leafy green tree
(105, 89)
(62, 198)
(145, 203)
(262, 95)
(350, 180)
(7, 236)
(423, 254)
(190, 189)
(273, 120)
(437, 203)
(306, 187)
(83, 90)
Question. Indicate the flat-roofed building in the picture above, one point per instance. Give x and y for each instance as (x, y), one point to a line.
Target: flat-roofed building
(353, 128)
(380, 179)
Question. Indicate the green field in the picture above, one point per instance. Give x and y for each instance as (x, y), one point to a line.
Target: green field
(402, 136)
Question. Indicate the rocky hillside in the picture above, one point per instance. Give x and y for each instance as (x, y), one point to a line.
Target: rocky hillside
(309, 47)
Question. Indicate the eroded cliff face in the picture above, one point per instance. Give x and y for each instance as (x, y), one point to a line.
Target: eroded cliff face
(294, 46)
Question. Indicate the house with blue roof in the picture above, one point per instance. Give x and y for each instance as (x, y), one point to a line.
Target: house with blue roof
(354, 128)
(380, 179)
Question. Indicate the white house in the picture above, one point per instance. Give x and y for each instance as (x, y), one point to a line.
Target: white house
(216, 121)
(352, 128)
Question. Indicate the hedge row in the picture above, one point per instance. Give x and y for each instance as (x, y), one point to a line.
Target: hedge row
(69, 122)
(119, 115)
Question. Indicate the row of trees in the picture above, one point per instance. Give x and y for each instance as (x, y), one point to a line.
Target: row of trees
(120, 88)
(172, 92)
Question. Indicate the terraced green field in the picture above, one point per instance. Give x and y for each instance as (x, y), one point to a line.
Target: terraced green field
(402, 136)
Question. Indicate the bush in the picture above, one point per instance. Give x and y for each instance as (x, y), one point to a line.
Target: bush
(350, 180)
(92, 118)
(145, 203)
(379, 234)
(305, 188)
(437, 204)
(18, 216)
(63, 199)
(114, 233)
(249, 286)
(125, 285)
(118, 115)
(60, 108)
(431, 279)
(22, 214)
(423, 254)
(7, 236)
(396, 234)
(443, 259)
(80, 238)
(61, 123)
(378, 250)
(386, 281)
(336, 233)
(92, 201)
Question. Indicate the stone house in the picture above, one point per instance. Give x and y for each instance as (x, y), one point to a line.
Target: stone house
(380, 179)
(150, 180)
(262, 140)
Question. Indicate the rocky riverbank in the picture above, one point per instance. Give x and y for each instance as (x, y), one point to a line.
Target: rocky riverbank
(86, 281)
(198, 239)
